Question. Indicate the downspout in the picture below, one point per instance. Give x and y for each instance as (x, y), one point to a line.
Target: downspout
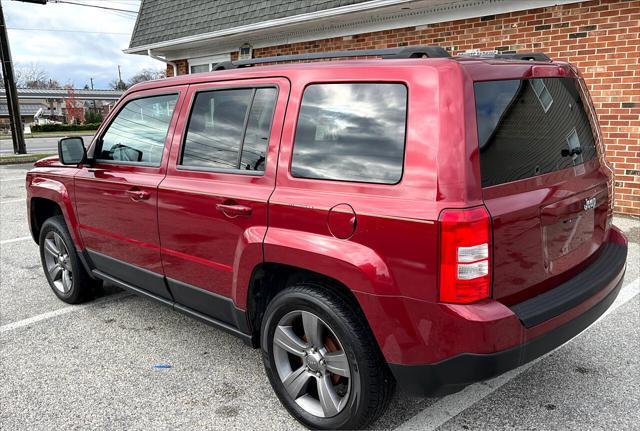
(164, 60)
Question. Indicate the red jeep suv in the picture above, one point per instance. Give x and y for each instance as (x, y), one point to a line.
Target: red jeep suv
(414, 220)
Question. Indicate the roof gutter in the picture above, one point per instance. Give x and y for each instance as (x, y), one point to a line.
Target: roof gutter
(311, 16)
(164, 60)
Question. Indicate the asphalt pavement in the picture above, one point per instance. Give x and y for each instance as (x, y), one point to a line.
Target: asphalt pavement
(40, 144)
(93, 366)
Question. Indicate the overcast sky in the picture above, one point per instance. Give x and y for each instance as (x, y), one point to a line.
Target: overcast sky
(55, 36)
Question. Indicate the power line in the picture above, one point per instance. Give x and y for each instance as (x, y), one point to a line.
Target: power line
(64, 30)
(94, 6)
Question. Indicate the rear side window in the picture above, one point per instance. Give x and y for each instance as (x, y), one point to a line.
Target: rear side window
(229, 129)
(138, 132)
(530, 127)
(351, 132)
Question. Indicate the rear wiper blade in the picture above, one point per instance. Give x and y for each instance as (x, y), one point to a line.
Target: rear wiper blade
(572, 152)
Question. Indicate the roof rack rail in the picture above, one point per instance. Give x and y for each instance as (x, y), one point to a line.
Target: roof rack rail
(528, 56)
(389, 53)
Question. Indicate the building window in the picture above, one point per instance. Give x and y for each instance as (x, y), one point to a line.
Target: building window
(245, 52)
(206, 64)
(200, 68)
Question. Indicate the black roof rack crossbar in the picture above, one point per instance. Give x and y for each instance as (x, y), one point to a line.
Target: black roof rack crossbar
(389, 53)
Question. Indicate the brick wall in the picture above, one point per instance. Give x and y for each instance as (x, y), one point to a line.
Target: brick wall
(181, 65)
(601, 37)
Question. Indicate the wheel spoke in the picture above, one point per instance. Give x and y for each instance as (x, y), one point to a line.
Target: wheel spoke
(59, 243)
(337, 363)
(51, 248)
(66, 280)
(54, 272)
(285, 338)
(312, 329)
(296, 382)
(329, 399)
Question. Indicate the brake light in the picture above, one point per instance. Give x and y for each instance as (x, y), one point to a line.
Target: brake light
(465, 259)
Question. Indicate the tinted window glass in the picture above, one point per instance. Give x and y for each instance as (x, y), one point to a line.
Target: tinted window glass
(351, 132)
(215, 129)
(254, 149)
(138, 132)
(530, 127)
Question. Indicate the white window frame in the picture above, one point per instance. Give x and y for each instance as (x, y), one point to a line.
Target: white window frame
(210, 60)
(539, 91)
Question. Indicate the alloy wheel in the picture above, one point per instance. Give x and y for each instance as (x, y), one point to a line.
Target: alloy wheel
(58, 262)
(312, 364)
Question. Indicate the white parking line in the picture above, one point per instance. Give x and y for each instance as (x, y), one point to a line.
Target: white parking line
(450, 406)
(10, 201)
(59, 312)
(12, 179)
(9, 241)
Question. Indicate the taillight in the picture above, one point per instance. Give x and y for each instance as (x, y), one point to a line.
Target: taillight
(465, 255)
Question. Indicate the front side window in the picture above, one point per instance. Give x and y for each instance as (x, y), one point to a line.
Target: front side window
(229, 129)
(138, 132)
(351, 132)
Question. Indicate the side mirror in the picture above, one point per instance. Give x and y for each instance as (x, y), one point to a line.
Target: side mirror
(71, 151)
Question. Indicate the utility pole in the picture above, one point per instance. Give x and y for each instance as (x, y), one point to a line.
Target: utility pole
(94, 100)
(17, 133)
(119, 75)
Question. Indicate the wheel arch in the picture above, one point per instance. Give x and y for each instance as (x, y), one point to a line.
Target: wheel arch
(270, 278)
(40, 210)
(48, 198)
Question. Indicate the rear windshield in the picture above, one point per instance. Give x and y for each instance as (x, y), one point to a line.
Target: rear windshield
(530, 127)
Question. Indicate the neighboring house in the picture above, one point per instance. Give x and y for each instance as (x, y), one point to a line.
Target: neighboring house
(599, 36)
(28, 110)
(102, 107)
(54, 103)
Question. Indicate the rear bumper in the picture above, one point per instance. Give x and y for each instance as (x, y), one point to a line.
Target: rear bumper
(545, 322)
(453, 374)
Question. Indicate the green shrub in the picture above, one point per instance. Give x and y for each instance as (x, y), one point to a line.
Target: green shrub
(93, 117)
(64, 127)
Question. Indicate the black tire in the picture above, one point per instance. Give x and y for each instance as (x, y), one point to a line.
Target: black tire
(369, 371)
(83, 286)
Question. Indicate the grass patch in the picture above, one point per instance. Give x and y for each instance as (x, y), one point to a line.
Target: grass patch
(52, 134)
(14, 159)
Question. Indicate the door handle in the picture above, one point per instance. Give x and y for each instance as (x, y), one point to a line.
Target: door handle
(97, 172)
(137, 195)
(234, 210)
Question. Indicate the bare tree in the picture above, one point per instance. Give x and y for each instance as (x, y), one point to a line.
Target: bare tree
(32, 75)
(146, 75)
(141, 76)
(117, 84)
